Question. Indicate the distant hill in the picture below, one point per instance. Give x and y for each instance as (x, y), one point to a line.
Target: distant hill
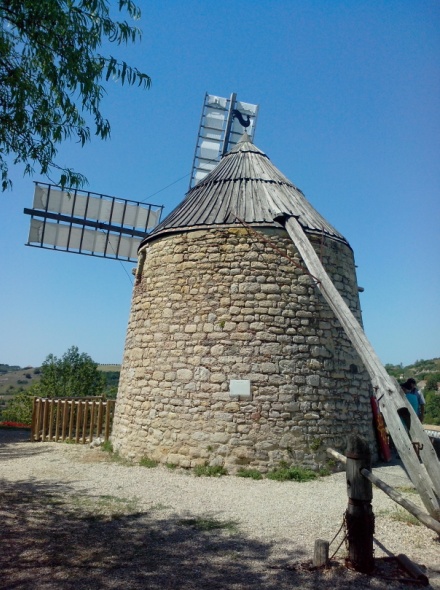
(420, 370)
(8, 368)
(105, 368)
(18, 378)
(14, 378)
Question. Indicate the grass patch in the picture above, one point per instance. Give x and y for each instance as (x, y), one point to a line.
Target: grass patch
(293, 473)
(105, 506)
(147, 462)
(252, 473)
(114, 456)
(171, 465)
(315, 444)
(407, 490)
(405, 517)
(160, 506)
(210, 524)
(209, 471)
(107, 446)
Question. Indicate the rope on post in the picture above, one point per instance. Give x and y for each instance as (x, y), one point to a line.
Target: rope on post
(423, 517)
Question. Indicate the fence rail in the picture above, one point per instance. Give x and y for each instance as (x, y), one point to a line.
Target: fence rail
(71, 418)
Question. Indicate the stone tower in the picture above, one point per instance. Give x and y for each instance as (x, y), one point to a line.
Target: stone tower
(232, 356)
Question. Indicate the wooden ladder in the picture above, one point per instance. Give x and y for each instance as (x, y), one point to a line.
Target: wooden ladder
(422, 465)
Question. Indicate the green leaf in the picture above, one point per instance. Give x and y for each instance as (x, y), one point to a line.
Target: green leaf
(52, 75)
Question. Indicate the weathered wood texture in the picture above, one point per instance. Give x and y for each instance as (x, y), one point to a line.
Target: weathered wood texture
(413, 569)
(426, 481)
(320, 554)
(243, 184)
(394, 495)
(359, 515)
(78, 419)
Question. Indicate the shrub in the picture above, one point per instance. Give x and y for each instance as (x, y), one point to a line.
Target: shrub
(19, 408)
(210, 470)
(252, 473)
(107, 446)
(295, 473)
(146, 462)
(315, 444)
(432, 408)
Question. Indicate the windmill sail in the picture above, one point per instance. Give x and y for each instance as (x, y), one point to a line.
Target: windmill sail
(89, 223)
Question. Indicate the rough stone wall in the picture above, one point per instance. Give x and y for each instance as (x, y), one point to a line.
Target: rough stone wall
(217, 305)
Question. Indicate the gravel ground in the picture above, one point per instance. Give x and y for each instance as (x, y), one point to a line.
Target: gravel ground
(74, 519)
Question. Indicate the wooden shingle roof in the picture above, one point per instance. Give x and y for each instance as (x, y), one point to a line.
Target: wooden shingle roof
(246, 186)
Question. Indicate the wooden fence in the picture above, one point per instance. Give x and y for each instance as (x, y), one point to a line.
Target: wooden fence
(78, 420)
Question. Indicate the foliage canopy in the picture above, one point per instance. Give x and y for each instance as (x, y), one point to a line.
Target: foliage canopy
(52, 76)
(75, 374)
(19, 408)
(432, 411)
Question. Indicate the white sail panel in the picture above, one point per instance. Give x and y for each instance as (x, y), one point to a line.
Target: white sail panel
(96, 208)
(80, 239)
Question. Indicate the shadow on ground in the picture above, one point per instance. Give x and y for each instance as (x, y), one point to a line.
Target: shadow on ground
(10, 451)
(53, 539)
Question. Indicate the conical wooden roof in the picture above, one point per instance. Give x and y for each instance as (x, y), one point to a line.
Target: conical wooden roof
(244, 186)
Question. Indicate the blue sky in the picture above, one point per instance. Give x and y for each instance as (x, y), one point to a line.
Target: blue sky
(349, 95)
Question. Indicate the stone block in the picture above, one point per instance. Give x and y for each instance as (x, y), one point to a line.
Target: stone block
(184, 375)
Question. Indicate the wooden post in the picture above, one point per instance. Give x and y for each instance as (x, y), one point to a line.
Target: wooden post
(424, 518)
(85, 419)
(108, 407)
(92, 421)
(71, 418)
(320, 555)
(359, 515)
(78, 420)
(50, 425)
(34, 425)
(99, 425)
(45, 412)
(57, 420)
(65, 407)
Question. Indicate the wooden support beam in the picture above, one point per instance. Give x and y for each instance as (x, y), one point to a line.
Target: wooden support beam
(426, 481)
(413, 569)
(424, 518)
(399, 499)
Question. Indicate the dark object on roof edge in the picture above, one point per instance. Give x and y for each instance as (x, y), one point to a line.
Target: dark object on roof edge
(244, 186)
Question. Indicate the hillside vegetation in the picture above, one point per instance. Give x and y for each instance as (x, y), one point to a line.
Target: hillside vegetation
(15, 380)
(420, 370)
(13, 377)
